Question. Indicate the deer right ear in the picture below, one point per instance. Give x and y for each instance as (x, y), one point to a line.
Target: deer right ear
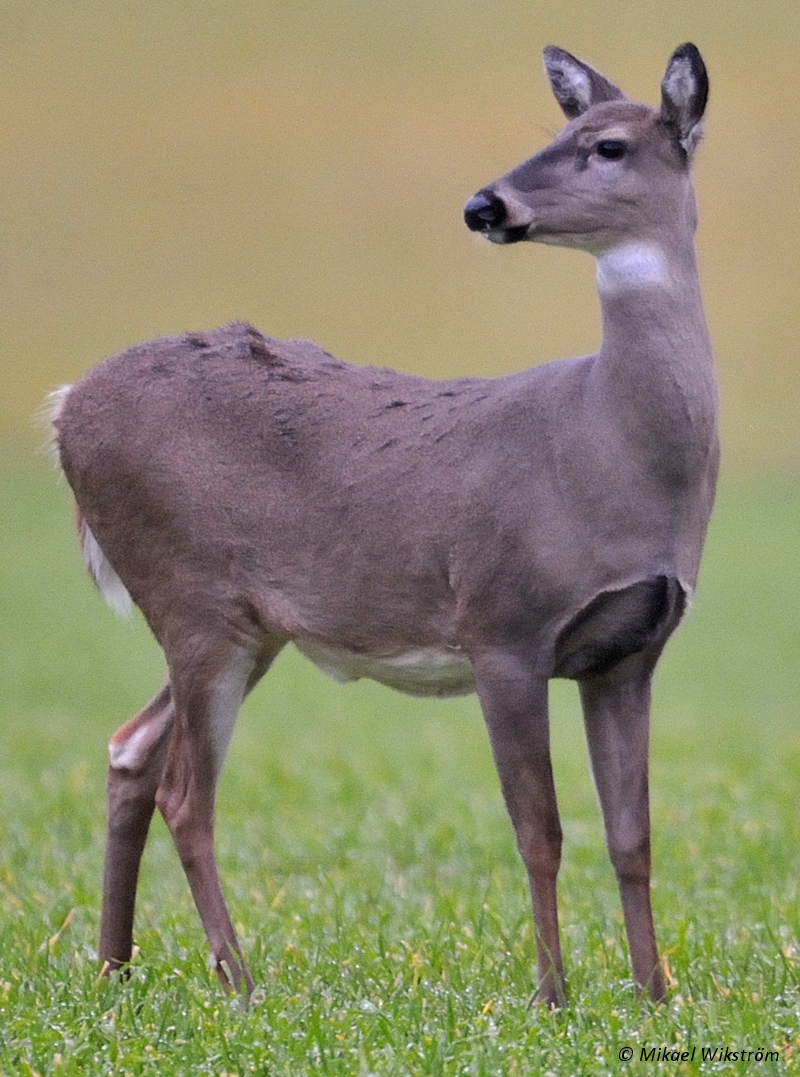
(684, 93)
(576, 86)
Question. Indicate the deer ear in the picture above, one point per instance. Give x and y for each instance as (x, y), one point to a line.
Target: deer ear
(684, 93)
(576, 86)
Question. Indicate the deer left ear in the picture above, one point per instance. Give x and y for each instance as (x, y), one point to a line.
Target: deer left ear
(684, 93)
(575, 85)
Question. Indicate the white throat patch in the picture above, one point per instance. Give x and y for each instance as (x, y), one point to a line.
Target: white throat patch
(633, 265)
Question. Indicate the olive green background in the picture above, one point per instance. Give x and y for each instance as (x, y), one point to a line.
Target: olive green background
(174, 165)
(169, 165)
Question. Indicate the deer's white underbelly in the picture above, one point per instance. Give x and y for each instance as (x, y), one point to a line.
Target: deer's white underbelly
(419, 671)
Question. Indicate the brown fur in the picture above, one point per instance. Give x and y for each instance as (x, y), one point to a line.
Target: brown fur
(436, 536)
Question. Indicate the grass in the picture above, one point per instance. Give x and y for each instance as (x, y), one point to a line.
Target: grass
(368, 861)
(304, 166)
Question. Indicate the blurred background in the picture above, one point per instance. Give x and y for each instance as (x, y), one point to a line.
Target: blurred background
(170, 165)
(176, 164)
(303, 164)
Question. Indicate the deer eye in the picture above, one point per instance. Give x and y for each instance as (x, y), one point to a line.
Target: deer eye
(611, 148)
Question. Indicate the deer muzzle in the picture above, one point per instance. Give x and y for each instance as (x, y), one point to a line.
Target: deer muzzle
(488, 214)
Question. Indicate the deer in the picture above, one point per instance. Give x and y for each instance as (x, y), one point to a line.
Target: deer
(441, 537)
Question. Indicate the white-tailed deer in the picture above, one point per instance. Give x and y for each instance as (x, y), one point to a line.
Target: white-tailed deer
(438, 537)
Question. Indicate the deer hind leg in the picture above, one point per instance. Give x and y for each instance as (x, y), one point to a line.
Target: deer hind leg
(136, 760)
(514, 705)
(207, 700)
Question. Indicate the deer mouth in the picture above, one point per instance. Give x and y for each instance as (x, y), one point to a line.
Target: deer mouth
(508, 235)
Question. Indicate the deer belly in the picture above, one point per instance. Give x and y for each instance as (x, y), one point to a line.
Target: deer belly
(418, 671)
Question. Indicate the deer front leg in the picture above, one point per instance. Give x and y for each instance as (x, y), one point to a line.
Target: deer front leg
(616, 711)
(514, 704)
(136, 761)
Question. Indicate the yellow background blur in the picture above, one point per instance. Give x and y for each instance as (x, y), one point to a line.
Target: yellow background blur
(176, 164)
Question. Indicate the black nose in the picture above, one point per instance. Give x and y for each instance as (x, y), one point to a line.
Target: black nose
(484, 211)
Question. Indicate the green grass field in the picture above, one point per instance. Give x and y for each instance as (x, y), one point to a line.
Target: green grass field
(368, 860)
(174, 165)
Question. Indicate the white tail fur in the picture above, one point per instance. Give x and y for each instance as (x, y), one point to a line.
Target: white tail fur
(105, 578)
(49, 414)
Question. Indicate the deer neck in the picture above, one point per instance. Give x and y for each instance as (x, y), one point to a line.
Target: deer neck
(655, 368)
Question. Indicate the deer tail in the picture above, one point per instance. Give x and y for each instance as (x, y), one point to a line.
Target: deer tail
(100, 569)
